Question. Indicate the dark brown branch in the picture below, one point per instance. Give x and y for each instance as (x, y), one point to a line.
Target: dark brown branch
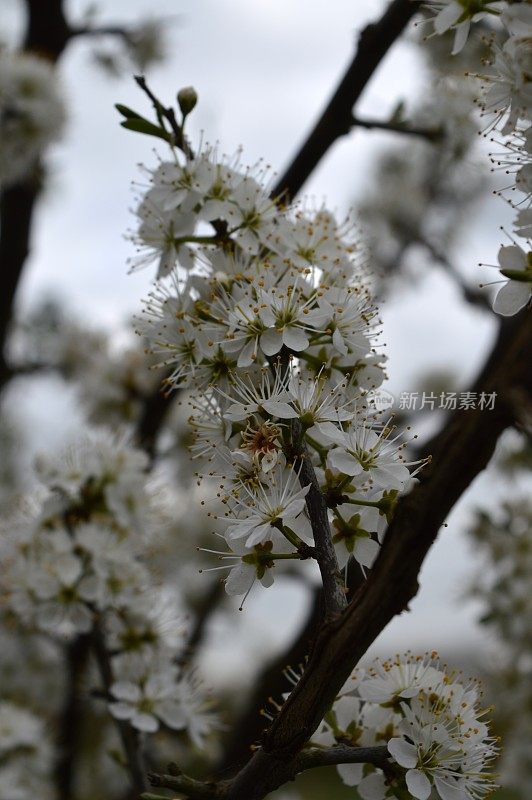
(128, 735)
(69, 728)
(310, 758)
(47, 33)
(196, 790)
(313, 757)
(337, 118)
(334, 596)
(16, 210)
(431, 134)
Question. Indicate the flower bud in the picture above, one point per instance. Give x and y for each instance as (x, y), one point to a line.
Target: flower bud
(187, 99)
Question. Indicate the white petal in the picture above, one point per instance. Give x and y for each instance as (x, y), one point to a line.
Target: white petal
(124, 690)
(450, 790)
(259, 535)
(281, 410)
(267, 579)
(373, 787)
(512, 297)
(240, 579)
(344, 462)
(172, 714)
(145, 722)
(294, 508)
(121, 710)
(366, 551)
(351, 774)
(295, 338)
(447, 17)
(512, 257)
(404, 753)
(245, 359)
(460, 37)
(418, 784)
(271, 341)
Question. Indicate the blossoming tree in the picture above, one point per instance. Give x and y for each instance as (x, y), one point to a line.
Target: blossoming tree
(263, 320)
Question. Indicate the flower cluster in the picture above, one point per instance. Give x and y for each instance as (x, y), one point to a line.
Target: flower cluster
(77, 563)
(269, 326)
(506, 105)
(431, 723)
(26, 754)
(32, 113)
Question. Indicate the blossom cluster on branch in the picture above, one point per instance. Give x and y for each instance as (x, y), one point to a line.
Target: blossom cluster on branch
(431, 721)
(269, 326)
(76, 562)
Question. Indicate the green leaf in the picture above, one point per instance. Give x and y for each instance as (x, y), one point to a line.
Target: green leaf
(140, 125)
(126, 112)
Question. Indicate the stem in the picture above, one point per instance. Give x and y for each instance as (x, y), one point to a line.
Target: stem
(128, 735)
(431, 134)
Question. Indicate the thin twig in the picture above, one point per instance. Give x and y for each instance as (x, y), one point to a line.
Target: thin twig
(431, 134)
(167, 113)
(336, 120)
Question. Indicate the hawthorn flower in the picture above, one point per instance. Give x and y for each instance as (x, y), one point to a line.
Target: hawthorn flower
(510, 94)
(387, 682)
(314, 402)
(516, 265)
(253, 396)
(62, 593)
(145, 693)
(362, 452)
(251, 215)
(287, 316)
(353, 537)
(251, 564)
(270, 509)
(311, 241)
(349, 317)
(175, 186)
(162, 237)
(458, 15)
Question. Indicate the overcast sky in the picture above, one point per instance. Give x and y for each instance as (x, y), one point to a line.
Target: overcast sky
(263, 69)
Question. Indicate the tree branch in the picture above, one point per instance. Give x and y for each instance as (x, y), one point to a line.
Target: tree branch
(334, 596)
(310, 758)
(69, 725)
(128, 735)
(432, 134)
(47, 32)
(313, 757)
(337, 118)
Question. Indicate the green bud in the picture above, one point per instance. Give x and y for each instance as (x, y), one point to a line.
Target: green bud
(187, 99)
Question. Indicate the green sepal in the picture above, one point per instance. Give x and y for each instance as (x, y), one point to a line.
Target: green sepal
(519, 275)
(127, 112)
(140, 125)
